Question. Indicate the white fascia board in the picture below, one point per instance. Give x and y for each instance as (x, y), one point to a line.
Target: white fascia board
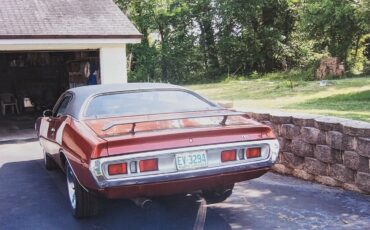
(62, 44)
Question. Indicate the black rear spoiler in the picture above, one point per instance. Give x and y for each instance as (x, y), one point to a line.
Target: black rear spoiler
(161, 117)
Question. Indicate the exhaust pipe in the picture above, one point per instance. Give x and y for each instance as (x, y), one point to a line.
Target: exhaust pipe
(143, 202)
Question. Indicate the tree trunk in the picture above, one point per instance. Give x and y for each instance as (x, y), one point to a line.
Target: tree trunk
(268, 20)
(164, 66)
(210, 44)
(203, 46)
(357, 46)
(208, 39)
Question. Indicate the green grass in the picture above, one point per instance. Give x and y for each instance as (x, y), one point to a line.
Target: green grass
(348, 98)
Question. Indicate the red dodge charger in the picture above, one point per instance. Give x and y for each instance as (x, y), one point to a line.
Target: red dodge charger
(143, 140)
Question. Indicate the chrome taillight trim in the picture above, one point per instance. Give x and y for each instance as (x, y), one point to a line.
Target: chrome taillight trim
(99, 167)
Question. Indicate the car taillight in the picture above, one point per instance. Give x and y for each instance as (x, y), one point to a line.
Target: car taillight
(228, 155)
(148, 165)
(116, 169)
(253, 152)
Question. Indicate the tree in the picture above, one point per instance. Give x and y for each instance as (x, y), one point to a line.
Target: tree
(255, 35)
(202, 40)
(333, 24)
(203, 13)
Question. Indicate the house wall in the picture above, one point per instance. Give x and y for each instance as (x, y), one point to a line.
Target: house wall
(327, 150)
(113, 65)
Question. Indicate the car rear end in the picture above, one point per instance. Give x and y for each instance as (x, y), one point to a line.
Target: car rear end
(183, 162)
(164, 141)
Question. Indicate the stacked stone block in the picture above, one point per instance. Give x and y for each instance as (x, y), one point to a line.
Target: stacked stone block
(330, 151)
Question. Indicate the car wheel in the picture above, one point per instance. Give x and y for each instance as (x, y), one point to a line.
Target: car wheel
(83, 203)
(218, 195)
(49, 162)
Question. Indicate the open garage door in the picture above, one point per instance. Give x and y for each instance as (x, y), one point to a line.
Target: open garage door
(31, 82)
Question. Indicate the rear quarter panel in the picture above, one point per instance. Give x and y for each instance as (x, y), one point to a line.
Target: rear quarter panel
(79, 145)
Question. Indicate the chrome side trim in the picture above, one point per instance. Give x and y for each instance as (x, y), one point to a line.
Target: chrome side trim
(98, 167)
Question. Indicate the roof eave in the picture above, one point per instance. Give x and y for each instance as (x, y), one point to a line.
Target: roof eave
(129, 36)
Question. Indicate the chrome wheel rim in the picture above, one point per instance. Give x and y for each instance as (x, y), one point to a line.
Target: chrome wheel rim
(71, 187)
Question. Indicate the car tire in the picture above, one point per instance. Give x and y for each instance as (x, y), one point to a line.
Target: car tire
(49, 162)
(83, 203)
(218, 195)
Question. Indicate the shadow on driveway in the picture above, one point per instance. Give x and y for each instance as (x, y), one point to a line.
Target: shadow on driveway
(33, 198)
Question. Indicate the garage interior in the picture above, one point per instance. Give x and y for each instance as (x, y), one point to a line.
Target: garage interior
(31, 82)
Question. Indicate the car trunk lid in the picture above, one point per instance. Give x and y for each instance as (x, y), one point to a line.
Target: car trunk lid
(185, 132)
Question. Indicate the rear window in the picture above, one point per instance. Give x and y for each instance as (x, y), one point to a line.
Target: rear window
(145, 102)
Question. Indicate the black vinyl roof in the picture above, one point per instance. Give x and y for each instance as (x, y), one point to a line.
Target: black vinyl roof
(81, 95)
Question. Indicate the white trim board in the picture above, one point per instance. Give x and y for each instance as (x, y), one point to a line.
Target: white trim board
(62, 44)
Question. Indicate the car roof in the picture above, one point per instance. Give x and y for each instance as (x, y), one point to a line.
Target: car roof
(83, 93)
(108, 88)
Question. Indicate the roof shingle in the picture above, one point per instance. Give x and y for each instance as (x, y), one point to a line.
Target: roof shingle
(64, 19)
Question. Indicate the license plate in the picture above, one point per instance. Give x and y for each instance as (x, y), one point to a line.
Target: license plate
(192, 160)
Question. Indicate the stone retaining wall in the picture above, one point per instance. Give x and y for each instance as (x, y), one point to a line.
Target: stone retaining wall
(331, 151)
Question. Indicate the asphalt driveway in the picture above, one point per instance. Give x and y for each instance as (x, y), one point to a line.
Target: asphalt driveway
(33, 198)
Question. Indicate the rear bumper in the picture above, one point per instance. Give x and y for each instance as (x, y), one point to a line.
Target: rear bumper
(169, 180)
(180, 186)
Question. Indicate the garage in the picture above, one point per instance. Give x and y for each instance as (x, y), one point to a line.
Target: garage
(47, 47)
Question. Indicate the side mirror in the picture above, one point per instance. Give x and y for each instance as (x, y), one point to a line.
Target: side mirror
(47, 113)
(226, 105)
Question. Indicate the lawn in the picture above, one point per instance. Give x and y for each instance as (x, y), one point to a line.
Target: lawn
(348, 98)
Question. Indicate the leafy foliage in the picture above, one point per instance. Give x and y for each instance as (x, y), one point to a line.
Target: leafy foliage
(204, 40)
(334, 24)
